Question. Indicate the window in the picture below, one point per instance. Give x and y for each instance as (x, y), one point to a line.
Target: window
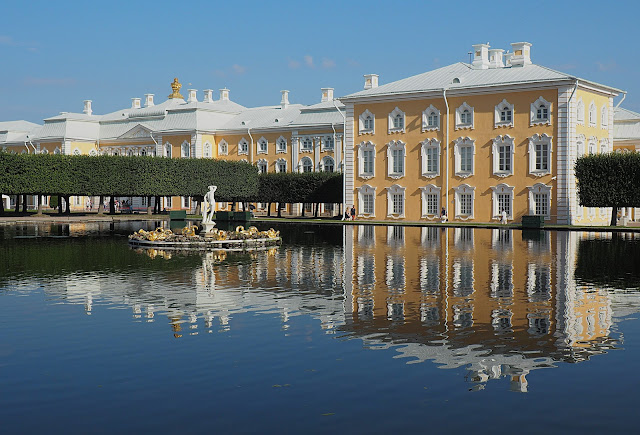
(306, 164)
(593, 114)
(367, 123)
(328, 164)
(76, 152)
(396, 121)
(430, 152)
(262, 166)
(184, 202)
(263, 145)
(185, 149)
(502, 200)
(464, 117)
(504, 114)
(580, 111)
(328, 144)
(395, 201)
(281, 145)
(604, 117)
(503, 150)
(94, 153)
(431, 119)
(366, 201)
(243, 147)
(281, 165)
(396, 156)
(167, 150)
(366, 160)
(430, 201)
(540, 154)
(540, 200)
(223, 148)
(604, 146)
(540, 112)
(464, 198)
(593, 147)
(464, 150)
(307, 144)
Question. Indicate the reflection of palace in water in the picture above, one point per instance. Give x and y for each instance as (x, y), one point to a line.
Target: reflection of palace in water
(497, 302)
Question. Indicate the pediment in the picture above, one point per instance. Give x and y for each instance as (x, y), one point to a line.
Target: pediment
(137, 132)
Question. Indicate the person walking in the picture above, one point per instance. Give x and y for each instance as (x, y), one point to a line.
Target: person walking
(353, 212)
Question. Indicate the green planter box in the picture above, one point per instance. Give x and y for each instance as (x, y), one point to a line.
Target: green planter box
(224, 215)
(529, 221)
(243, 216)
(178, 215)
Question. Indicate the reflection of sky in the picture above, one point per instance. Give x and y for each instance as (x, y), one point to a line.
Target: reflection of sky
(488, 300)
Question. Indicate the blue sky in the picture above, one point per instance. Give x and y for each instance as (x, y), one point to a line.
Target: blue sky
(57, 54)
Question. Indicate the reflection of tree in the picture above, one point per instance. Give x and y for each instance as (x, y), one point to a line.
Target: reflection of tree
(611, 262)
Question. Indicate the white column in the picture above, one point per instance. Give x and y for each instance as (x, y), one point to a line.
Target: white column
(349, 168)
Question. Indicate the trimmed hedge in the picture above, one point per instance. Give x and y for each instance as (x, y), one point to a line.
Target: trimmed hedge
(293, 187)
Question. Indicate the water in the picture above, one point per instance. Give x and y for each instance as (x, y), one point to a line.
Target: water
(361, 329)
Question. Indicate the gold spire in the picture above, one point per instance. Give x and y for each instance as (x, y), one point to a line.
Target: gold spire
(175, 86)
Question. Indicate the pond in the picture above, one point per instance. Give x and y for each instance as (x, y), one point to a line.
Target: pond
(366, 329)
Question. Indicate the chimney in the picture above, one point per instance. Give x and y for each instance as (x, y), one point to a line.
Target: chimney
(495, 58)
(135, 103)
(224, 94)
(87, 107)
(507, 58)
(327, 94)
(208, 96)
(521, 54)
(370, 81)
(481, 56)
(148, 100)
(284, 103)
(193, 96)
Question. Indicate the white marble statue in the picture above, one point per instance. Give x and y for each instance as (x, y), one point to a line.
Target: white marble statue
(209, 205)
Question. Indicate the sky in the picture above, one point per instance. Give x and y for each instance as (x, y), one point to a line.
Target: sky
(55, 55)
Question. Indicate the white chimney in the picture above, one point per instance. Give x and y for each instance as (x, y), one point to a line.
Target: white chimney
(481, 56)
(224, 94)
(495, 58)
(148, 100)
(208, 96)
(370, 81)
(327, 94)
(193, 96)
(521, 54)
(135, 103)
(87, 107)
(284, 103)
(507, 58)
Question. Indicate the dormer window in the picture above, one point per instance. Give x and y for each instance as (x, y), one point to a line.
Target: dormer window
(396, 121)
(367, 123)
(262, 145)
(431, 119)
(464, 117)
(504, 114)
(540, 112)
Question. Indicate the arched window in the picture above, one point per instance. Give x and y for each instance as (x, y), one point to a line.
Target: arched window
(243, 147)
(167, 150)
(580, 111)
(223, 148)
(593, 114)
(185, 149)
(306, 164)
(328, 164)
(76, 152)
(504, 114)
(431, 119)
(262, 145)
(281, 145)
(262, 166)
(540, 112)
(604, 117)
(396, 121)
(464, 116)
(367, 123)
(281, 165)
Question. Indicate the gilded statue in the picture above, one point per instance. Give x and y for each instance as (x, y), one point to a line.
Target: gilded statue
(175, 87)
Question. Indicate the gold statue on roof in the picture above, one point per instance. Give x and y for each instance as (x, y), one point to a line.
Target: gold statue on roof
(175, 87)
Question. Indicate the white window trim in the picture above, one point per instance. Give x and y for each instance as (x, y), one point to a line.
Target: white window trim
(430, 189)
(504, 104)
(185, 146)
(604, 146)
(425, 118)
(323, 143)
(459, 124)
(539, 188)
(464, 189)
(533, 141)
(302, 148)
(425, 145)
(392, 116)
(459, 143)
(76, 152)
(604, 117)
(501, 188)
(263, 161)
(279, 149)
(286, 165)
(361, 129)
(580, 112)
(167, 150)
(301, 165)
(593, 146)
(395, 190)
(242, 142)
(223, 148)
(497, 142)
(93, 152)
(392, 146)
(364, 146)
(364, 190)
(534, 112)
(323, 163)
(593, 114)
(260, 142)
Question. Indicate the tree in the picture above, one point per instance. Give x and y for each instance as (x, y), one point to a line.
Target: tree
(609, 180)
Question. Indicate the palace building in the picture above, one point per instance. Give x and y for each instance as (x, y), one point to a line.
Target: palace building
(499, 134)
